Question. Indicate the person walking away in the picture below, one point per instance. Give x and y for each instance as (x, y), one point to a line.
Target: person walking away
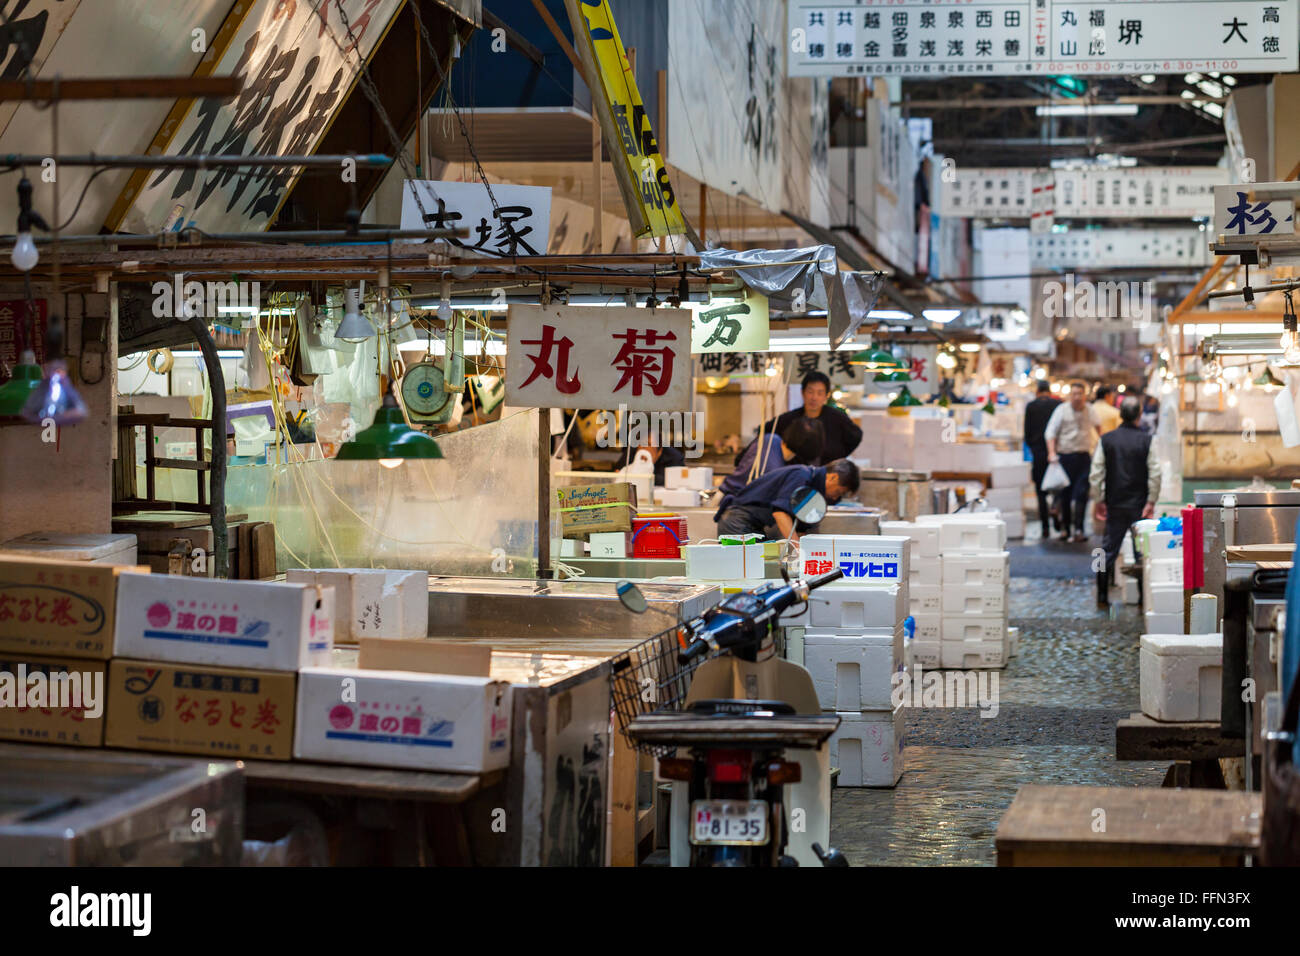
(842, 434)
(1037, 414)
(1125, 480)
(763, 506)
(1070, 434)
(800, 444)
(1104, 414)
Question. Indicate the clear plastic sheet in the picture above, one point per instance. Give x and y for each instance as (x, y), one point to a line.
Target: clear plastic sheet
(473, 512)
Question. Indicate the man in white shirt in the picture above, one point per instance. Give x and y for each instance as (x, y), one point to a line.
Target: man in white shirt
(1070, 436)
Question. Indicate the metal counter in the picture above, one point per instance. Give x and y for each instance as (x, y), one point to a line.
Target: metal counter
(899, 495)
(1258, 517)
(511, 608)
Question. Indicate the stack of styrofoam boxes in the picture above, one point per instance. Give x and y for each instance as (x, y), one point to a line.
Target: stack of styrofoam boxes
(898, 446)
(870, 451)
(1009, 476)
(976, 574)
(924, 588)
(683, 486)
(1162, 582)
(853, 646)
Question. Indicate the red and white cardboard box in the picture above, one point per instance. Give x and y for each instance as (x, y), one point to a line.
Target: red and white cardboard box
(402, 719)
(853, 674)
(977, 569)
(261, 625)
(868, 748)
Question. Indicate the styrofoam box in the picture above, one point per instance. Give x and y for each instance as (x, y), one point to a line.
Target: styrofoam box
(924, 653)
(967, 627)
(853, 674)
(723, 562)
(677, 497)
(925, 572)
(973, 654)
(611, 544)
(1006, 500)
(1013, 642)
(698, 478)
(924, 599)
(977, 569)
(1166, 599)
(928, 627)
(91, 548)
(261, 625)
(1164, 543)
(1015, 521)
(972, 456)
(1010, 476)
(1182, 676)
(1132, 593)
(864, 558)
(858, 607)
(980, 600)
(403, 719)
(898, 452)
(373, 602)
(1164, 571)
(924, 537)
(794, 644)
(1157, 623)
(868, 748)
(973, 536)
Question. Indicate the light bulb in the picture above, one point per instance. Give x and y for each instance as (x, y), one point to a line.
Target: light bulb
(24, 256)
(1232, 398)
(444, 310)
(1286, 339)
(1292, 352)
(1211, 370)
(1250, 382)
(771, 372)
(390, 462)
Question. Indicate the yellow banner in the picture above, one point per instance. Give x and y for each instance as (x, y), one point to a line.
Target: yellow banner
(642, 176)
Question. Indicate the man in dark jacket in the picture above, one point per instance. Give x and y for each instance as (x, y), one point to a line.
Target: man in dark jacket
(1125, 478)
(1037, 414)
(841, 435)
(800, 444)
(763, 506)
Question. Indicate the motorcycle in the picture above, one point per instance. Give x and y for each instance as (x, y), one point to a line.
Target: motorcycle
(745, 708)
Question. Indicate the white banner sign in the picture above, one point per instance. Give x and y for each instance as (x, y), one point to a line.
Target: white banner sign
(1119, 248)
(518, 225)
(593, 357)
(730, 326)
(941, 37)
(1236, 215)
(1156, 192)
(1042, 201)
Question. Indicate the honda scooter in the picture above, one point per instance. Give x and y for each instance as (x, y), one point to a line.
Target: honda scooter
(747, 733)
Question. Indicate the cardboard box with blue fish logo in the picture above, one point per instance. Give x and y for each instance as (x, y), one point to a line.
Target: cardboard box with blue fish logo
(260, 625)
(402, 719)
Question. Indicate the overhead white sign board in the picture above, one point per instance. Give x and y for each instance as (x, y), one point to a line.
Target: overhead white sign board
(1236, 215)
(1095, 37)
(591, 357)
(1155, 192)
(518, 225)
(1120, 248)
(731, 326)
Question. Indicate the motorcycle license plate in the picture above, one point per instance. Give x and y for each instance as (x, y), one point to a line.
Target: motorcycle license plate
(729, 822)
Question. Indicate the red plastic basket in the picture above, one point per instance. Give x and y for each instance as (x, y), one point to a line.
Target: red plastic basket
(658, 536)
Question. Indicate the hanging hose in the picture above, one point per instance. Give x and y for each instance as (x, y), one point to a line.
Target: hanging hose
(217, 476)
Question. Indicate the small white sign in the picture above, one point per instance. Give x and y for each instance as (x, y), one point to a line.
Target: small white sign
(517, 225)
(1235, 214)
(730, 326)
(593, 357)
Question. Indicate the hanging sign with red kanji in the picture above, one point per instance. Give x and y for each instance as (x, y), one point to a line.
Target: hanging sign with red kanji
(592, 357)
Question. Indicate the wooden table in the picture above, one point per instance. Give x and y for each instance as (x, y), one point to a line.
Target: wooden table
(1193, 747)
(1128, 826)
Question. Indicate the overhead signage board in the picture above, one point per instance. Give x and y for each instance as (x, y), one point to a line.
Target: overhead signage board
(1095, 37)
(1149, 192)
(1120, 248)
(518, 224)
(740, 326)
(1235, 214)
(593, 357)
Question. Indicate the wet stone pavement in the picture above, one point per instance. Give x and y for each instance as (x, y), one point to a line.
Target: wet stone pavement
(1058, 701)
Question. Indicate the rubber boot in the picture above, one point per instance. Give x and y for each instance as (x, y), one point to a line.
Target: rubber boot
(1103, 589)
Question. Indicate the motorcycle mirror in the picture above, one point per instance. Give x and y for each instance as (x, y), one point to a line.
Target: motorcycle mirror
(808, 505)
(630, 597)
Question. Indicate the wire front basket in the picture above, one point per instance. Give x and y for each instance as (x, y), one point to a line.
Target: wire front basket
(649, 679)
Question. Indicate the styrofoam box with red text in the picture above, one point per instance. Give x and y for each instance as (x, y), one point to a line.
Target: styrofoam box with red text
(868, 748)
(260, 625)
(853, 674)
(973, 654)
(864, 558)
(968, 627)
(977, 569)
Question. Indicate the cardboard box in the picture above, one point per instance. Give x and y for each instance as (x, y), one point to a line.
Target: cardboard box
(251, 624)
(403, 719)
(611, 544)
(927, 627)
(1160, 623)
(967, 627)
(219, 712)
(973, 654)
(981, 600)
(868, 748)
(924, 537)
(723, 562)
(925, 653)
(698, 478)
(64, 608)
(924, 599)
(87, 548)
(372, 602)
(52, 700)
(853, 674)
(977, 569)
(1181, 676)
(596, 507)
(677, 497)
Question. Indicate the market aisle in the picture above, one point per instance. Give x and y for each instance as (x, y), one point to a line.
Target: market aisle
(1076, 674)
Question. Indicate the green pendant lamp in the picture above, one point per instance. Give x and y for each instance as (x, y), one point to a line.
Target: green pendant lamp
(390, 441)
(898, 375)
(26, 377)
(875, 360)
(905, 399)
